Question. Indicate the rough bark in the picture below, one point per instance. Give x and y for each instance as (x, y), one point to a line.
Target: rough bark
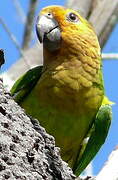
(26, 150)
(1, 57)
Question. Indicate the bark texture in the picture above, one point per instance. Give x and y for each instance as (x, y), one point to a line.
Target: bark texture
(1, 57)
(27, 152)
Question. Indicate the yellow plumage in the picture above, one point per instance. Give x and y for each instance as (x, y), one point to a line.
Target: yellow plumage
(70, 90)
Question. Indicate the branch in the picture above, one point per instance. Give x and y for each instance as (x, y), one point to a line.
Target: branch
(102, 14)
(11, 35)
(27, 151)
(109, 56)
(29, 24)
(19, 10)
(83, 7)
(98, 17)
(109, 27)
(2, 60)
(107, 10)
(104, 9)
(14, 40)
(19, 68)
(110, 170)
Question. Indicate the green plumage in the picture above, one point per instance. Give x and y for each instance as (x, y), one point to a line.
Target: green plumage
(65, 94)
(25, 83)
(97, 135)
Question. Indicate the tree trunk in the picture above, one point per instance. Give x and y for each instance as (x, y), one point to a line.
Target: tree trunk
(26, 150)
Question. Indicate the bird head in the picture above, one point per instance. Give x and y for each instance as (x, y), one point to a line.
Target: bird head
(65, 31)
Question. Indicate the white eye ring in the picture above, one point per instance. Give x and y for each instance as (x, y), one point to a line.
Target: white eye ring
(49, 15)
(72, 17)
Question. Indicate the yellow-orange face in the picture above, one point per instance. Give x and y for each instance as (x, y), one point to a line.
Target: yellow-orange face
(66, 18)
(57, 26)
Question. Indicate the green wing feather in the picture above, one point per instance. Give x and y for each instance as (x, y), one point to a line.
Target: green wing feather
(25, 83)
(97, 138)
(98, 134)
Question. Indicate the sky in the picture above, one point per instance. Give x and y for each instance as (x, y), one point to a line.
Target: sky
(110, 67)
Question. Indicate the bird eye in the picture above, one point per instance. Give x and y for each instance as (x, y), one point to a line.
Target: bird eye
(49, 15)
(72, 17)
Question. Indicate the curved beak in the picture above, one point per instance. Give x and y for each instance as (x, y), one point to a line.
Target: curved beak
(48, 32)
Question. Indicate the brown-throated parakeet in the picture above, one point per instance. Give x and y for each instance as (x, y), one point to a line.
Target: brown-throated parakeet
(66, 93)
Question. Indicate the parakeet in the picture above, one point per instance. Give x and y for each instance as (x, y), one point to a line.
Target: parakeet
(66, 93)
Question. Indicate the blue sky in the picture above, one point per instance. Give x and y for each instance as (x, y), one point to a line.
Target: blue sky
(110, 67)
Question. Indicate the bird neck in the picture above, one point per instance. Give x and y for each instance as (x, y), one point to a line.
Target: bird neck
(69, 55)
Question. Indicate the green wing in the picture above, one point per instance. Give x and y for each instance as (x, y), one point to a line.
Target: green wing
(25, 83)
(98, 134)
(96, 140)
